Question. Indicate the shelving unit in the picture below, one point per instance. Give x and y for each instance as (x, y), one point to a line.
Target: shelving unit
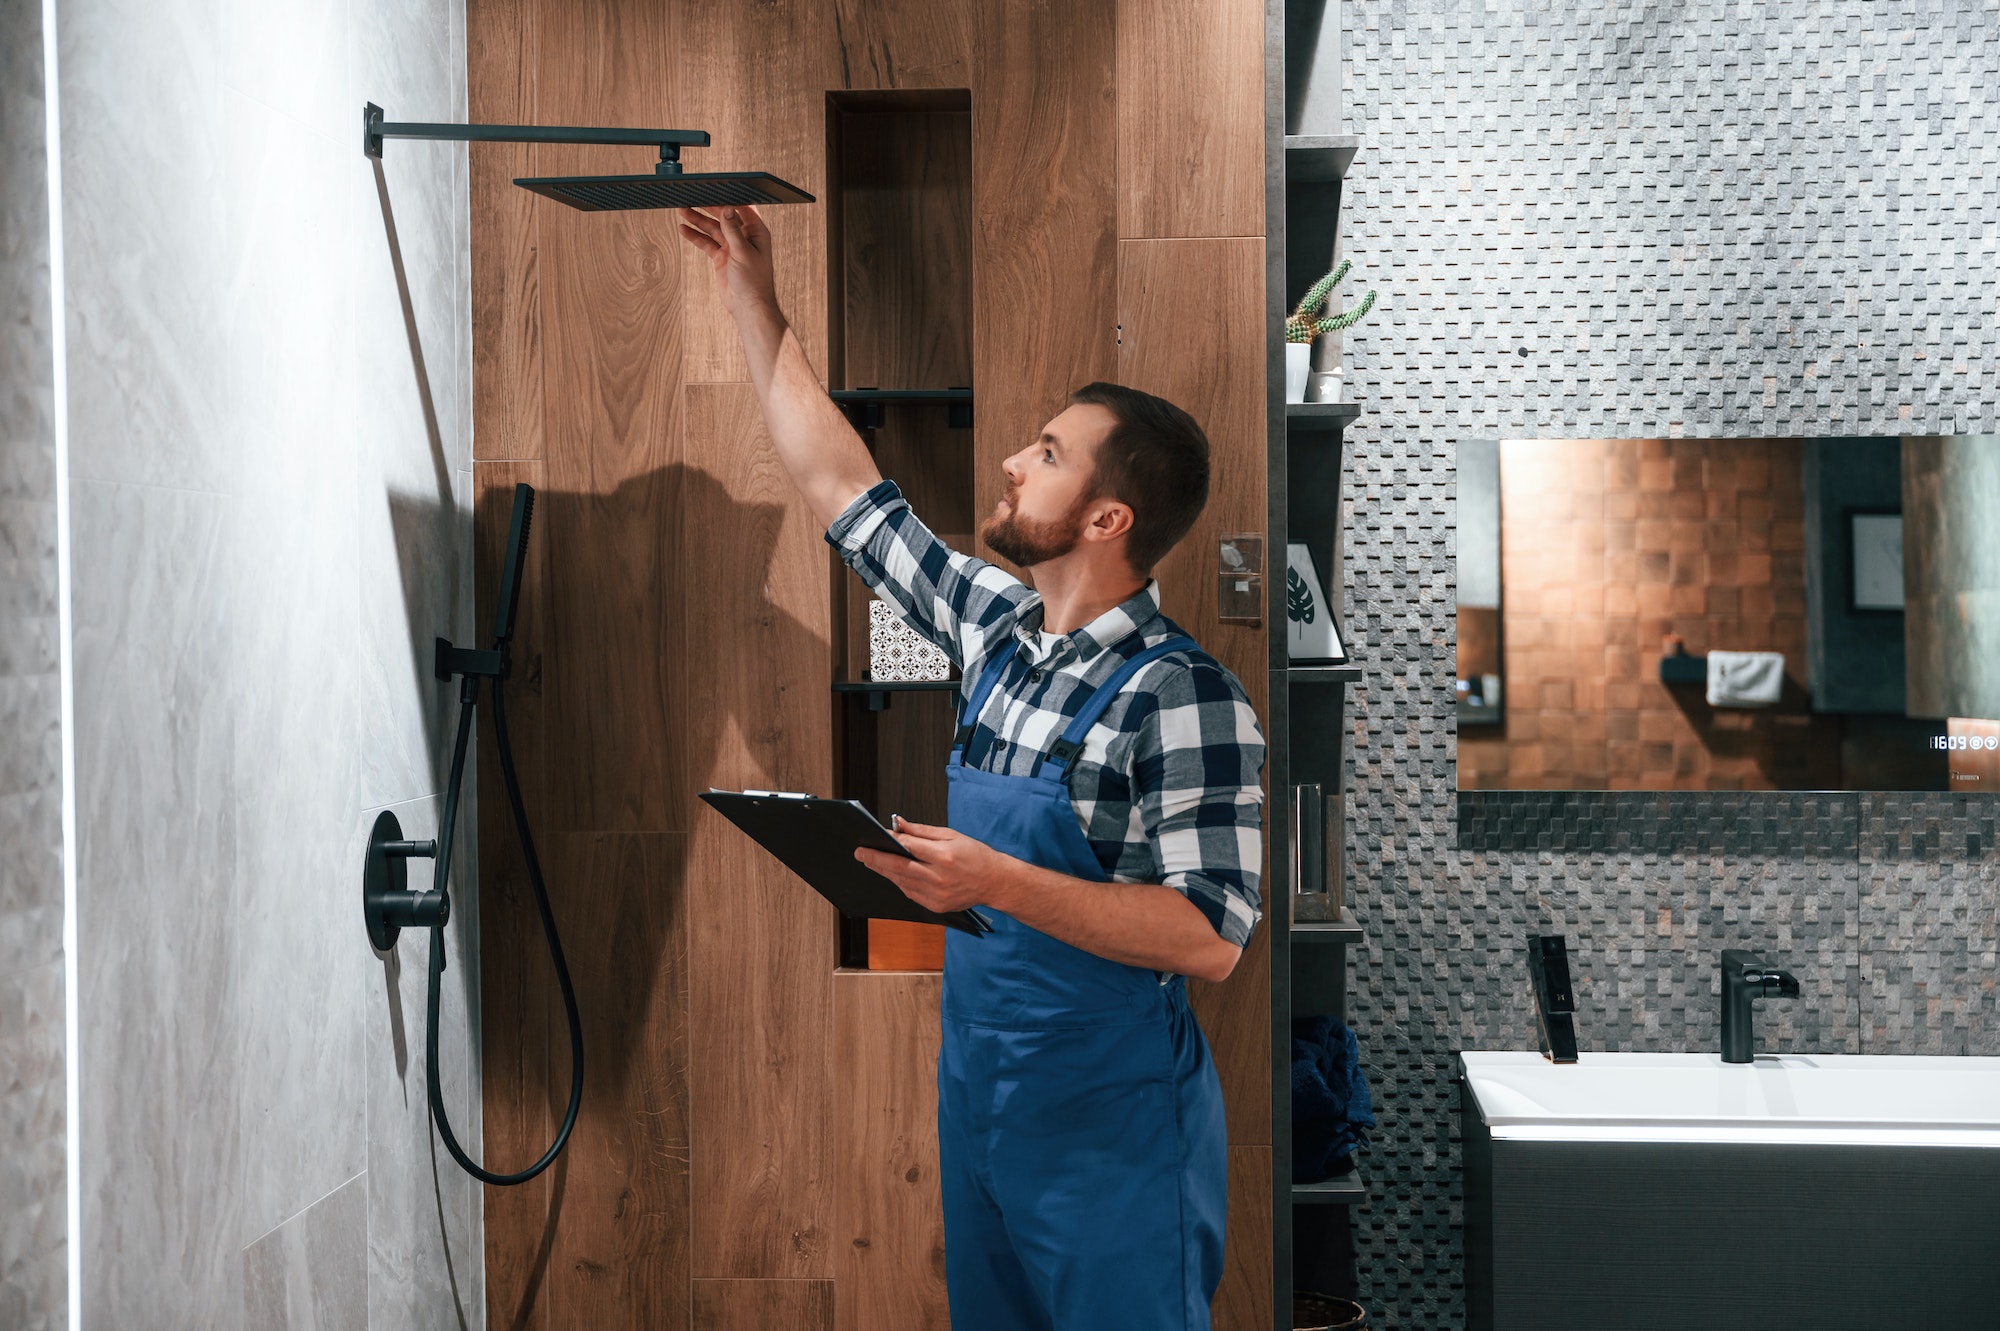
(1305, 169)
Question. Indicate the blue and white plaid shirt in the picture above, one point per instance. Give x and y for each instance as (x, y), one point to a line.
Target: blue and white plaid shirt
(1166, 787)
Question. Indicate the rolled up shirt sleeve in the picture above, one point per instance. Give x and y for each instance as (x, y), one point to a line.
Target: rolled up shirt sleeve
(959, 602)
(1197, 759)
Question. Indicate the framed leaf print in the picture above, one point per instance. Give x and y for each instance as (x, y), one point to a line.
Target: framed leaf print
(1310, 632)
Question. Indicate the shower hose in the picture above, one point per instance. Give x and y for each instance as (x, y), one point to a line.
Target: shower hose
(468, 701)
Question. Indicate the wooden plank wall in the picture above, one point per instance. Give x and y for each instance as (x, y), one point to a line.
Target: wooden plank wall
(757, 1144)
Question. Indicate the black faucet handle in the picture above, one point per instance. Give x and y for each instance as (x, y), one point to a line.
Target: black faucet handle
(1740, 961)
(1779, 984)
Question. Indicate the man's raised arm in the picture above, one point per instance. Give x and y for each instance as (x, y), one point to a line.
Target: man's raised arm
(827, 460)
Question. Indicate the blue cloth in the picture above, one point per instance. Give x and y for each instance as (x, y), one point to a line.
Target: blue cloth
(1331, 1112)
(1081, 1141)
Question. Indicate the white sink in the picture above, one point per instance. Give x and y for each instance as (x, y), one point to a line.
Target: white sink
(1816, 1099)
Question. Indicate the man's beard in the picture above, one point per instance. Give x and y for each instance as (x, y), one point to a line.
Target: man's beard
(1027, 543)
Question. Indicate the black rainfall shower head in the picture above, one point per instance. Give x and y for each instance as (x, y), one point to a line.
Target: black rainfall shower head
(714, 189)
(667, 187)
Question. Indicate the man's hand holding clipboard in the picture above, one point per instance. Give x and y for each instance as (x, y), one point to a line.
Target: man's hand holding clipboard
(941, 870)
(846, 855)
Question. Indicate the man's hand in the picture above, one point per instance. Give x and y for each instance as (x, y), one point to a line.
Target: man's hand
(737, 243)
(1141, 924)
(826, 459)
(951, 870)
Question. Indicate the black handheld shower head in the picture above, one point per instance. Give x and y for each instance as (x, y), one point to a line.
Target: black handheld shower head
(517, 557)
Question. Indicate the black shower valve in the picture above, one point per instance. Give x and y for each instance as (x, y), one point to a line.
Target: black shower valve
(387, 904)
(451, 661)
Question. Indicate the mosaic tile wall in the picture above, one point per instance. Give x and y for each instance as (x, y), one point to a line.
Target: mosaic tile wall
(1698, 219)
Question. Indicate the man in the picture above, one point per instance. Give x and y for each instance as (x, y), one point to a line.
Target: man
(1105, 814)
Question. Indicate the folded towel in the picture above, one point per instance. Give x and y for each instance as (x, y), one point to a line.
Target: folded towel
(1745, 679)
(1331, 1112)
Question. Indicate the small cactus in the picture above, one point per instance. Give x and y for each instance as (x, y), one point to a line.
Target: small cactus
(1303, 324)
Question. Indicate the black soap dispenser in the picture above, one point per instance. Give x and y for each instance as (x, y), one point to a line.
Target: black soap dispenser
(1555, 998)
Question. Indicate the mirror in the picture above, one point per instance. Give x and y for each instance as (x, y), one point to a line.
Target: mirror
(1729, 614)
(1479, 583)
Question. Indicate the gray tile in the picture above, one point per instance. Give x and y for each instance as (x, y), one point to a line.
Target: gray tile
(145, 252)
(292, 533)
(413, 434)
(270, 528)
(426, 1257)
(311, 1273)
(157, 909)
(292, 59)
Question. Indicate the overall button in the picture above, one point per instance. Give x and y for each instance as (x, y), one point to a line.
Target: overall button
(999, 744)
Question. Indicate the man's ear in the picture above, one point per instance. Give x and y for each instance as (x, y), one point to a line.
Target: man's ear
(1107, 520)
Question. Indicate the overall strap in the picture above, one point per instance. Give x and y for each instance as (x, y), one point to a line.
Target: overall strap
(996, 665)
(1064, 751)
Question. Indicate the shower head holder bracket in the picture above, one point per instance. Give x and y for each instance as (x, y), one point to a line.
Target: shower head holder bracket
(387, 904)
(449, 661)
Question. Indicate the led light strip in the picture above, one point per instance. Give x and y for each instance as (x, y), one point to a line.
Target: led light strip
(1731, 1134)
(65, 669)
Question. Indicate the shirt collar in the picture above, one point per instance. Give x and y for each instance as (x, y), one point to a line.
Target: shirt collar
(1107, 630)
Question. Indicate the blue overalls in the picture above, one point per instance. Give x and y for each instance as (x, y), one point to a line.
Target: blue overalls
(1080, 1123)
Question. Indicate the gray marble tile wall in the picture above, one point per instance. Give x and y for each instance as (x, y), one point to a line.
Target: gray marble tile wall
(1617, 221)
(33, 1220)
(271, 510)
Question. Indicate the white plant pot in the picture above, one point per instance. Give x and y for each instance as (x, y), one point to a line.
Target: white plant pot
(1298, 360)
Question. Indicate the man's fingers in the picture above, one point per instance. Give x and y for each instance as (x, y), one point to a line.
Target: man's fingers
(881, 861)
(700, 240)
(701, 222)
(924, 830)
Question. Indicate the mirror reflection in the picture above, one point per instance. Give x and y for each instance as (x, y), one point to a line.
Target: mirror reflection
(1729, 614)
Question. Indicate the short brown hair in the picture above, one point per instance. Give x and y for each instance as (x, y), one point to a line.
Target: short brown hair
(1156, 460)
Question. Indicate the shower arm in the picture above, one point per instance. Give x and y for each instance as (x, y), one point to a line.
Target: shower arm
(669, 141)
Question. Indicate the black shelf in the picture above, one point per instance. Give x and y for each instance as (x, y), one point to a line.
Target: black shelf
(877, 694)
(1319, 156)
(902, 395)
(864, 405)
(1344, 1190)
(1337, 674)
(1324, 931)
(1307, 417)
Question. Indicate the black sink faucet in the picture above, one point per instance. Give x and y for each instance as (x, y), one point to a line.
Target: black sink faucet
(1745, 979)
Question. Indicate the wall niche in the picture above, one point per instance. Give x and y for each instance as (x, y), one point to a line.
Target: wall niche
(899, 312)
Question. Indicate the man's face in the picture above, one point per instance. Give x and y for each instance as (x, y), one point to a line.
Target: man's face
(1050, 486)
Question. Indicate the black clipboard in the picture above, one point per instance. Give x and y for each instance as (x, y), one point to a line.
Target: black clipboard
(816, 839)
